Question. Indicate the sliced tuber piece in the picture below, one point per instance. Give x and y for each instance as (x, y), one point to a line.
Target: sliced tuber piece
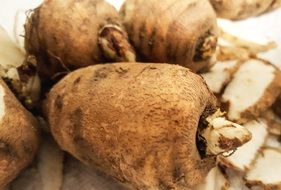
(18, 136)
(50, 164)
(139, 125)
(253, 90)
(241, 9)
(215, 180)
(66, 35)
(18, 72)
(220, 74)
(273, 122)
(266, 170)
(244, 156)
(162, 32)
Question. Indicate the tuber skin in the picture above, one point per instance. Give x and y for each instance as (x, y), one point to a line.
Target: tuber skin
(19, 137)
(182, 32)
(66, 35)
(135, 122)
(242, 9)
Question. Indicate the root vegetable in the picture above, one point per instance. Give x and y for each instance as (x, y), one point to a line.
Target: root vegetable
(220, 74)
(18, 72)
(18, 136)
(182, 32)
(253, 90)
(266, 171)
(137, 123)
(66, 35)
(241, 9)
(244, 156)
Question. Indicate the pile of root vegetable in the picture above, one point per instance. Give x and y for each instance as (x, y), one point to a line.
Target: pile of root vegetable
(153, 97)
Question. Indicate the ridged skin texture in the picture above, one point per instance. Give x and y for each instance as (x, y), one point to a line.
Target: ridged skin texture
(241, 9)
(63, 35)
(19, 138)
(135, 122)
(170, 31)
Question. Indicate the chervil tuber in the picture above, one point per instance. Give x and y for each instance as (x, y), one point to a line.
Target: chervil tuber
(138, 123)
(66, 35)
(181, 32)
(18, 136)
(241, 9)
(18, 72)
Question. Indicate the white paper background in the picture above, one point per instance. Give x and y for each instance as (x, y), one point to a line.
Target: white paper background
(261, 29)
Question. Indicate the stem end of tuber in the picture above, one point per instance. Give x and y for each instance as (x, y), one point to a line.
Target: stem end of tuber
(115, 44)
(222, 135)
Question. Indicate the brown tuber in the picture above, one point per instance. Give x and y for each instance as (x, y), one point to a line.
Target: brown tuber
(18, 136)
(138, 123)
(181, 32)
(241, 9)
(66, 35)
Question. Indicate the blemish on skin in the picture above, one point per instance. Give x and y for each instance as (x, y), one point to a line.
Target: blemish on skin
(2, 102)
(58, 102)
(77, 81)
(101, 73)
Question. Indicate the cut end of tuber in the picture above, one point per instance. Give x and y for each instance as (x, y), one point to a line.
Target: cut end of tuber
(221, 135)
(206, 47)
(243, 157)
(114, 44)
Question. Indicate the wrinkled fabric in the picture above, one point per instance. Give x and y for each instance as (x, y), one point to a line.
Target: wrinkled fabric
(76, 177)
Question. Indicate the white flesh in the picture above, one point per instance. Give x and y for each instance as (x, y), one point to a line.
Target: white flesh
(2, 103)
(247, 87)
(244, 156)
(219, 75)
(266, 169)
(214, 181)
(273, 141)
